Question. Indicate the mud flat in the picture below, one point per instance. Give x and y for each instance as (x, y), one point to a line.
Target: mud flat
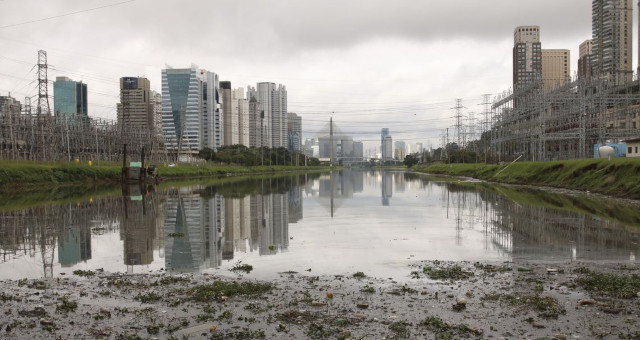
(436, 300)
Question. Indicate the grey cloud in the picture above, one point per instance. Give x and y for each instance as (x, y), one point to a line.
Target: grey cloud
(338, 24)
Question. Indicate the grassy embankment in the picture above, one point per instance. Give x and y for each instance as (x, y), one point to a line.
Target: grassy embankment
(617, 177)
(22, 175)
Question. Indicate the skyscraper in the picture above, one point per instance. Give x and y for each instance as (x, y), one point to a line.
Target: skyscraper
(527, 55)
(556, 70)
(135, 109)
(612, 36)
(400, 152)
(386, 145)
(294, 131)
(255, 123)
(9, 106)
(156, 103)
(241, 117)
(227, 112)
(584, 61)
(70, 99)
(272, 106)
(191, 118)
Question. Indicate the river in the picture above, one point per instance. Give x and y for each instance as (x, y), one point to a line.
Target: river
(339, 223)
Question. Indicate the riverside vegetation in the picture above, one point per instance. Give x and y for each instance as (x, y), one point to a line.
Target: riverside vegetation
(39, 173)
(618, 177)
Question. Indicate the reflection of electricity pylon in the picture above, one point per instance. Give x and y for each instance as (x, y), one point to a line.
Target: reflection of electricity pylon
(47, 250)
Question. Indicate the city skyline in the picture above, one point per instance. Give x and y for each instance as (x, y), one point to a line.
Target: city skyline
(315, 62)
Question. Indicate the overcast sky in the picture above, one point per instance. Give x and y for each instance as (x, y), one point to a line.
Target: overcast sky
(368, 63)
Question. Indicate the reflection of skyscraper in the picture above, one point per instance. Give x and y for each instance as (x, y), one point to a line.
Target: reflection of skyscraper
(398, 180)
(227, 246)
(74, 245)
(183, 232)
(387, 187)
(295, 204)
(275, 233)
(138, 229)
(237, 227)
(192, 232)
(256, 220)
(212, 224)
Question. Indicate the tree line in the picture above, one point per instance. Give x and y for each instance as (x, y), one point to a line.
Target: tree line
(252, 156)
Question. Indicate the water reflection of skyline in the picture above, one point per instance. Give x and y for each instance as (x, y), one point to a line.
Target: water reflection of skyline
(194, 228)
(202, 231)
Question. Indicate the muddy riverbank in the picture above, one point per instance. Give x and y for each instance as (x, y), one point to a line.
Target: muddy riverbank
(442, 300)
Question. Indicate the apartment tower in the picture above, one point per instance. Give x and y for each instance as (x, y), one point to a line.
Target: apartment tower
(612, 40)
(135, 110)
(527, 55)
(255, 123)
(227, 112)
(272, 107)
(240, 124)
(584, 61)
(556, 68)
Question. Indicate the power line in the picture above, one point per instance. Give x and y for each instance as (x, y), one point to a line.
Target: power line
(67, 14)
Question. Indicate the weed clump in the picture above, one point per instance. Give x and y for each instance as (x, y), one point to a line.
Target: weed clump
(318, 331)
(546, 306)
(148, 298)
(359, 275)
(620, 286)
(368, 289)
(454, 273)
(489, 268)
(66, 306)
(84, 273)
(169, 280)
(445, 330)
(218, 289)
(400, 329)
(240, 267)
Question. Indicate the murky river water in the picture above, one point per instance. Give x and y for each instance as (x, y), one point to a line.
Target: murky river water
(340, 223)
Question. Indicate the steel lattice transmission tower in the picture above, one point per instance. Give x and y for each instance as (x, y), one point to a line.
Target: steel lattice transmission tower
(43, 85)
(458, 125)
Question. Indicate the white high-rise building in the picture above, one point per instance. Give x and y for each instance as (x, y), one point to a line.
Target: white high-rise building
(272, 106)
(191, 118)
(156, 102)
(241, 123)
(386, 145)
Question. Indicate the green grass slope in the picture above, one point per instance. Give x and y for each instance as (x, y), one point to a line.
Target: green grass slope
(617, 177)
